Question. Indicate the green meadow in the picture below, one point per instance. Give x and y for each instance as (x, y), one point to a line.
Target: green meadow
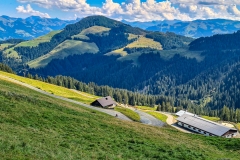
(35, 126)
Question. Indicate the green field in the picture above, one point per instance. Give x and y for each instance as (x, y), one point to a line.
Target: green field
(158, 115)
(37, 41)
(215, 119)
(132, 36)
(141, 42)
(147, 108)
(4, 46)
(117, 52)
(56, 90)
(91, 30)
(67, 48)
(35, 126)
(31, 43)
(129, 113)
(95, 30)
(144, 42)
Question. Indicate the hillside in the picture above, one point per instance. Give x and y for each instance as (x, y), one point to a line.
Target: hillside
(94, 32)
(39, 127)
(194, 74)
(29, 28)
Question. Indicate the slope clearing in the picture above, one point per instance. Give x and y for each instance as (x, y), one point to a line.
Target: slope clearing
(65, 49)
(35, 126)
(141, 42)
(31, 43)
(90, 30)
(4, 46)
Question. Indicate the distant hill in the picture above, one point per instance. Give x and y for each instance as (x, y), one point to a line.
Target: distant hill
(29, 28)
(195, 29)
(97, 49)
(94, 34)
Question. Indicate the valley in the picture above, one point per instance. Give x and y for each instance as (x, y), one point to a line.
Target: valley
(119, 80)
(190, 74)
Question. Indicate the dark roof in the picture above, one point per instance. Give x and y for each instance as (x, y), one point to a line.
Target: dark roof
(106, 101)
(205, 125)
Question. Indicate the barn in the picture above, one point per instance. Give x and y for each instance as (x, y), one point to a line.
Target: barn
(205, 127)
(105, 102)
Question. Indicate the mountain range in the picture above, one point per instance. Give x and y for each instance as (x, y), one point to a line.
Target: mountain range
(194, 73)
(34, 26)
(194, 29)
(29, 28)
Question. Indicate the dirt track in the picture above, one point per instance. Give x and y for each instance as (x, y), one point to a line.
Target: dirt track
(145, 118)
(109, 112)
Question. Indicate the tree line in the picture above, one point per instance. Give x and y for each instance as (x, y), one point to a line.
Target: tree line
(164, 103)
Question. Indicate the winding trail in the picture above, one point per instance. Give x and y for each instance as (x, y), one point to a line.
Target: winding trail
(148, 119)
(144, 117)
(109, 112)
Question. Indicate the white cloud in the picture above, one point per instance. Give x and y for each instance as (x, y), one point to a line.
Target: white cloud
(135, 10)
(234, 10)
(30, 11)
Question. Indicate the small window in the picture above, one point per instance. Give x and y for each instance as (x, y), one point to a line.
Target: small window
(189, 126)
(205, 132)
(199, 130)
(194, 128)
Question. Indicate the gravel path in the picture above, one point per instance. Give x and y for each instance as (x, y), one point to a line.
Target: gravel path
(148, 119)
(109, 112)
(145, 118)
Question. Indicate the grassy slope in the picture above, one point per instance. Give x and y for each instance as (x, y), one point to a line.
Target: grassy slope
(142, 42)
(95, 30)
(4, 45)
(67, 48)
(146, 42)
(32, 43)
(92, 30)
(129, 113)
(57, 90)
(34, 126)
(215, 119)
(37, 41)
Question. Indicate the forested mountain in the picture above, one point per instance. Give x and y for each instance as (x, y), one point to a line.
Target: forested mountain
(29, 28)
(200, 75)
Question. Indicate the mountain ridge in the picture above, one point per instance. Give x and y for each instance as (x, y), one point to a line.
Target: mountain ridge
(195, 29)
(29, 28)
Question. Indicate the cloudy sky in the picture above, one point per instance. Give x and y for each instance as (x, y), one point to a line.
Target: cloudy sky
(132, 10)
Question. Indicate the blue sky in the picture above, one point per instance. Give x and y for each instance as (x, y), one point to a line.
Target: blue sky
(132, 10)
